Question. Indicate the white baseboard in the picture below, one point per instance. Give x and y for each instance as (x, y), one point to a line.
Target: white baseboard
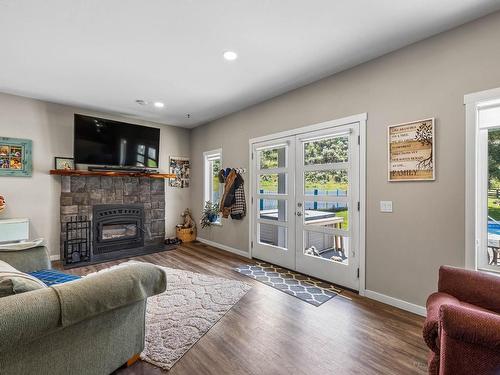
(224, 247)
(399, 303)
(55, 257)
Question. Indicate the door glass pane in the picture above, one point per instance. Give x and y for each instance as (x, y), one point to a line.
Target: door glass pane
(273, 235)
(272, 183)
(327, 150)
(493, 250)
(333, 182)
(326, 246)
(272, 209)
(326, 214)
(272, 158)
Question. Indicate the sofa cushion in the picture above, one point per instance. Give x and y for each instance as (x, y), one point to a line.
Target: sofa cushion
(13, 281)
(23, 245)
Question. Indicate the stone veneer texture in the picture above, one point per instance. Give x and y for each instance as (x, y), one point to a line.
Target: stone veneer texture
(80, 193)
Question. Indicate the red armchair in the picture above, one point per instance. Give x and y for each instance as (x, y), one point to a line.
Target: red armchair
(462, 328)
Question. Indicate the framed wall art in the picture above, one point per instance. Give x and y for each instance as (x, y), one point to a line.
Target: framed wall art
(64, 163)
(411, 151)
(181, 168)
(15, 157)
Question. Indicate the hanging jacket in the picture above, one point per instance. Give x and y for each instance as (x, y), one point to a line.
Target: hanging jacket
(228, 200)
(239, 209)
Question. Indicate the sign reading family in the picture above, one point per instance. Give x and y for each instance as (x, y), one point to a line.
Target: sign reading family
(411, 151)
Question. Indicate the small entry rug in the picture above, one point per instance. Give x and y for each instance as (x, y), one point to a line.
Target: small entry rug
(303, 287)
(192, 304)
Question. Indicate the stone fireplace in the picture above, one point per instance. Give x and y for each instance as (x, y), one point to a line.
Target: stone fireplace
(127, 213)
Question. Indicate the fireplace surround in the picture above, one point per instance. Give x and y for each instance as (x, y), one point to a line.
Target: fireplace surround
(127, 213)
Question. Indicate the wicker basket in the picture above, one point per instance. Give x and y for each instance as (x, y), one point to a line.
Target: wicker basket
(186, 234)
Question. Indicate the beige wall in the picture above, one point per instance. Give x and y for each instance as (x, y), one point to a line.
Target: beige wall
(50, 127)
(428, 79)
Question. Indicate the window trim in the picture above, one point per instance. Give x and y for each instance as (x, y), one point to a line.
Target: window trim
(474, 176)
(207, 157)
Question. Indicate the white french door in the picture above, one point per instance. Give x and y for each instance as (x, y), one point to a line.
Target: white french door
(305, 203)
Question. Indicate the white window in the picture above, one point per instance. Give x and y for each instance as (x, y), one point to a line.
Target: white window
(212, 187)
(483, 181)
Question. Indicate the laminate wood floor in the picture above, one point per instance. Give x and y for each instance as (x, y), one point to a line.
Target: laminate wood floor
(271, 333)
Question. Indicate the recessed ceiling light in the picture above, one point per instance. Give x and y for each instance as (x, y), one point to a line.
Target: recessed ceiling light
(230, 55)
(159, 105)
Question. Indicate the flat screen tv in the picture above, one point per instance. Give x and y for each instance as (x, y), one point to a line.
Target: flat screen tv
(112, 143)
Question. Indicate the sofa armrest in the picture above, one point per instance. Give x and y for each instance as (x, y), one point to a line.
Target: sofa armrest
(27, 316)
(472, 326)
(431, 324)
(108, 290)
(477, 288)
(28, 260)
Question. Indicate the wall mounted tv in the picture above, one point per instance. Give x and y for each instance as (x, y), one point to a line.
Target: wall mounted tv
(112, 143)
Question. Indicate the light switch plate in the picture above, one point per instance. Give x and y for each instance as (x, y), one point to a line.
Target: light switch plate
(385, 206)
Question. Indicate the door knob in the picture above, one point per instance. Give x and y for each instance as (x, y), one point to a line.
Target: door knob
(299, 213)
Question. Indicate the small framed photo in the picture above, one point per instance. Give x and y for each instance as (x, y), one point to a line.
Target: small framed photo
(67, 164)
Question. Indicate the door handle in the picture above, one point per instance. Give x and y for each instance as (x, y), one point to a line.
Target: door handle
(299, 213)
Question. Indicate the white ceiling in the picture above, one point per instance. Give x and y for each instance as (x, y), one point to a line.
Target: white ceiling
(103, 55)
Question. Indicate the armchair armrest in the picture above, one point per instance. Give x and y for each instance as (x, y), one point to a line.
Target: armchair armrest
(477, 288)
(104, 291)
(28, 260)
(472, 326)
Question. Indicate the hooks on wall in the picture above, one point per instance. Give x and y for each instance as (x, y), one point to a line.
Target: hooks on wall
(240, 170)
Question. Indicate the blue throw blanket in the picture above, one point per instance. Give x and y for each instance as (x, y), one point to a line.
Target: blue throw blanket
(53, 277)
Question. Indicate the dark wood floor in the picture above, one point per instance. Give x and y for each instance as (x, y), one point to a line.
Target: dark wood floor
(270, 332)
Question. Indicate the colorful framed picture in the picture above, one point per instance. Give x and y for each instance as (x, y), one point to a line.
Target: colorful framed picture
(67, 164)
(411, 151)
(15, 157)
(180, 166)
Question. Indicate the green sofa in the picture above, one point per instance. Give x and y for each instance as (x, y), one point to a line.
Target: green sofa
(89, 326)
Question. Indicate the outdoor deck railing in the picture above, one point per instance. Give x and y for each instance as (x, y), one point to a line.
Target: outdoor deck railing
(269, 204)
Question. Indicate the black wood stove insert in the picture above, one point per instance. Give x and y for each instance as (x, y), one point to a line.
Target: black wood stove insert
(117, 229)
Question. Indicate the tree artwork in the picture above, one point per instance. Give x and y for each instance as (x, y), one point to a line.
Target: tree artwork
(423, 135)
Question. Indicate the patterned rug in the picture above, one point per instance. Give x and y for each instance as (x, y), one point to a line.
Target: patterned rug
(179, 317)
(303, 287)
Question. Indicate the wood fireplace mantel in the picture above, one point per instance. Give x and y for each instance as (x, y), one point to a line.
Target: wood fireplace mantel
(63, 172)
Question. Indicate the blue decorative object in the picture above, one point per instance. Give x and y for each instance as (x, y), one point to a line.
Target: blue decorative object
(15, 157)
(53, 277)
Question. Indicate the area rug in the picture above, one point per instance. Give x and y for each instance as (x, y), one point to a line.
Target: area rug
(303, 287)
(179, 317)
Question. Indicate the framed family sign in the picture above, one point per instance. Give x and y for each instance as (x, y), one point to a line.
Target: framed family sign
(15, 157)
(411, 155)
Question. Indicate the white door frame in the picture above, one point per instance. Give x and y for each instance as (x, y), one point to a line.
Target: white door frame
(359, 118)
(472, 179)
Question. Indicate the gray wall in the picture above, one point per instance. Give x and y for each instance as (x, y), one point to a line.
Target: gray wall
(50, 127)
(428, 79)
